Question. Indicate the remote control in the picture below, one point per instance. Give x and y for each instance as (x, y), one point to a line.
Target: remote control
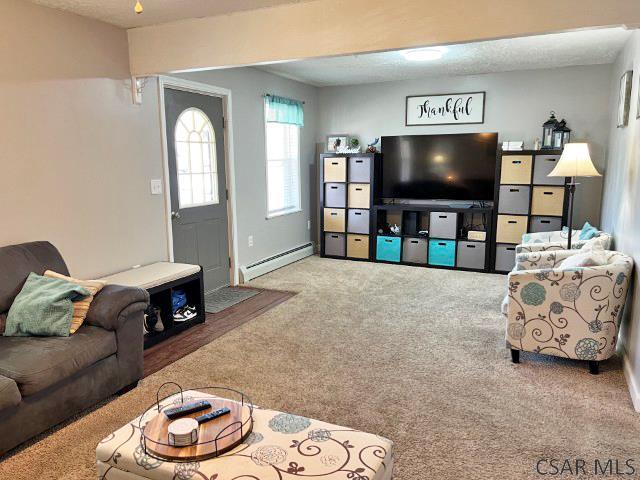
(211, 415)
(186, 409)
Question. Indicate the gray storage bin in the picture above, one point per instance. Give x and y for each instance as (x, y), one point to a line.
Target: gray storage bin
(358, 221)
(505, 257)
(414, 250)
(360, 169)
(542, 167)
(334, 244)
(471, 255)
(545, 224)
(443, 224)
(514, 199)
(335, 195)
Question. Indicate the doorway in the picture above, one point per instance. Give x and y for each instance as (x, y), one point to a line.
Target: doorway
(197, 182)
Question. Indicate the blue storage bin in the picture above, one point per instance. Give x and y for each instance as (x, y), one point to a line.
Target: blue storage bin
(388, 248)
(442, 252)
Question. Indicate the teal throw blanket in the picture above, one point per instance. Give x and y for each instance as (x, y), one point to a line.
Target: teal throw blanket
(44, 307)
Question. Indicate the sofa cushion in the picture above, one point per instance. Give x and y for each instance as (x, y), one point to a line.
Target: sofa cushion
(9, 393)
(38, 362)
(18, 261)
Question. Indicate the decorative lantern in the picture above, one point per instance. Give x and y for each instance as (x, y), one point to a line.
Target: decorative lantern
(547, 130)
(561, 134)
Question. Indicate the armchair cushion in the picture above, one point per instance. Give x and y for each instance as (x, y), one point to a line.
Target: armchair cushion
(571, 313)
(112, 301)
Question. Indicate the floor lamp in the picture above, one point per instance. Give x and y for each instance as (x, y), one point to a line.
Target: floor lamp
(574, 162)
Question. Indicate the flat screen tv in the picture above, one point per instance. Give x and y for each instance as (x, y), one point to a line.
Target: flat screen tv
(439, 167)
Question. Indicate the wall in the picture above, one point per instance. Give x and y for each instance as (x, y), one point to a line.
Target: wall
(278, 234)
(517, 103)
(77, 155)
(340, 27)
(622, 198)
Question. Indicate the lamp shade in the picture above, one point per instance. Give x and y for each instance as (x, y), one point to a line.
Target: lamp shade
(575, 162)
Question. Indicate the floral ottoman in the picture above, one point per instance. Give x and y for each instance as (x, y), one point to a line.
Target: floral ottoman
(281, 446)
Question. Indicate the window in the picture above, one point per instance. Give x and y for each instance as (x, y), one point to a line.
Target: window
(283, 168)
(196, 161)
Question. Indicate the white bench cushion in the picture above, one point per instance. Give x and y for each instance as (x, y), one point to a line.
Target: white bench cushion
(152, 275)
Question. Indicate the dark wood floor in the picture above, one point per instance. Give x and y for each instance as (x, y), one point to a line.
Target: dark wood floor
(216, 324)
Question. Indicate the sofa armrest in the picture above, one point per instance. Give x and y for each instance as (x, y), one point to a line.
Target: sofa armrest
(114, 303)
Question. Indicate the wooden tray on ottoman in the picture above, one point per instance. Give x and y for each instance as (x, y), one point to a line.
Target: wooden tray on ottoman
(215, 437)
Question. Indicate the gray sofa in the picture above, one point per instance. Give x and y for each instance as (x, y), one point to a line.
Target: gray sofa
(45, 380)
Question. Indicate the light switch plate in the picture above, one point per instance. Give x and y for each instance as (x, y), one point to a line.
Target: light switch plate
(156, 186)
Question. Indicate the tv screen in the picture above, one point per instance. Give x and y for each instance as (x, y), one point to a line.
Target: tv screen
(442, 167)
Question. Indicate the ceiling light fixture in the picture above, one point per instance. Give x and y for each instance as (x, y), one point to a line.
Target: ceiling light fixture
(424, 54)
(138, 8)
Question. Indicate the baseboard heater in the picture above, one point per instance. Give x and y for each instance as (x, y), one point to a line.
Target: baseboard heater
(276, 261)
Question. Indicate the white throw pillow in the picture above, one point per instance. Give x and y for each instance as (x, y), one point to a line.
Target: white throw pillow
(595, 244)
(589, 258)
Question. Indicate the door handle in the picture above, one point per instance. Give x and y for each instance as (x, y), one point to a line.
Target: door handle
(175, 215)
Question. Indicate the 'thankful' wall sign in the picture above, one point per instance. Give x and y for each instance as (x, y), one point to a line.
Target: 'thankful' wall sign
(446, 109)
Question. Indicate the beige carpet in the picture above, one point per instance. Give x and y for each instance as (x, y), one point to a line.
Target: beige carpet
(413, 354)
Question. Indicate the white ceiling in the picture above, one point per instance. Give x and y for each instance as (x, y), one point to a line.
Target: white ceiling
(121, 14)
(586, 47)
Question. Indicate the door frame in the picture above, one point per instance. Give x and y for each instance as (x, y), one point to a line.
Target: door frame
(225, 94)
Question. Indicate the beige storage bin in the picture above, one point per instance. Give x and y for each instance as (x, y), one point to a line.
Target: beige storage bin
(547, 201)
(358, 246)
(334, 220)
(359, 195)
(335, 169)
(516, 169)
(511, 228)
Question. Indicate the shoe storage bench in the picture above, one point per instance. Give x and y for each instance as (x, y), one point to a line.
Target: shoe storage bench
(160, 280)
(441, 243)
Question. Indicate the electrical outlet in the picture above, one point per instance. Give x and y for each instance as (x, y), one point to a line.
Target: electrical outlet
(156, 186)
(308, 224)
(250, 240)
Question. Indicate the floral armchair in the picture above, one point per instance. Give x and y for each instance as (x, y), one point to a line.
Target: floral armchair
(572, 313)
(545, 241)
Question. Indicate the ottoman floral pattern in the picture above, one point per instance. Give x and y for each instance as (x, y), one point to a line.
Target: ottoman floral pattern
(280, 447)
(573, 313)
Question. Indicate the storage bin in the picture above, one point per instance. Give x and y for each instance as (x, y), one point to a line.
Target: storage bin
(511, 228)
(335, 169)
(388, 248)
(443, 224)
(335, 195)
(545, 224)
(414, 250)
(516, 169)
(514, 199)
(442, 252)
(505, 258)
(357, 221)
(334, 244)
(358, 246)
(359, 195)
(471, 255)
(547, 201)
(360, 169)
(334, 220)
(542, 166)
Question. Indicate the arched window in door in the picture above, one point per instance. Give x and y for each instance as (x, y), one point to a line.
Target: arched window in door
(196, 161)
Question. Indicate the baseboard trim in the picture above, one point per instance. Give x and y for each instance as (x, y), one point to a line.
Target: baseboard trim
(634, 391)
(276, 261)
